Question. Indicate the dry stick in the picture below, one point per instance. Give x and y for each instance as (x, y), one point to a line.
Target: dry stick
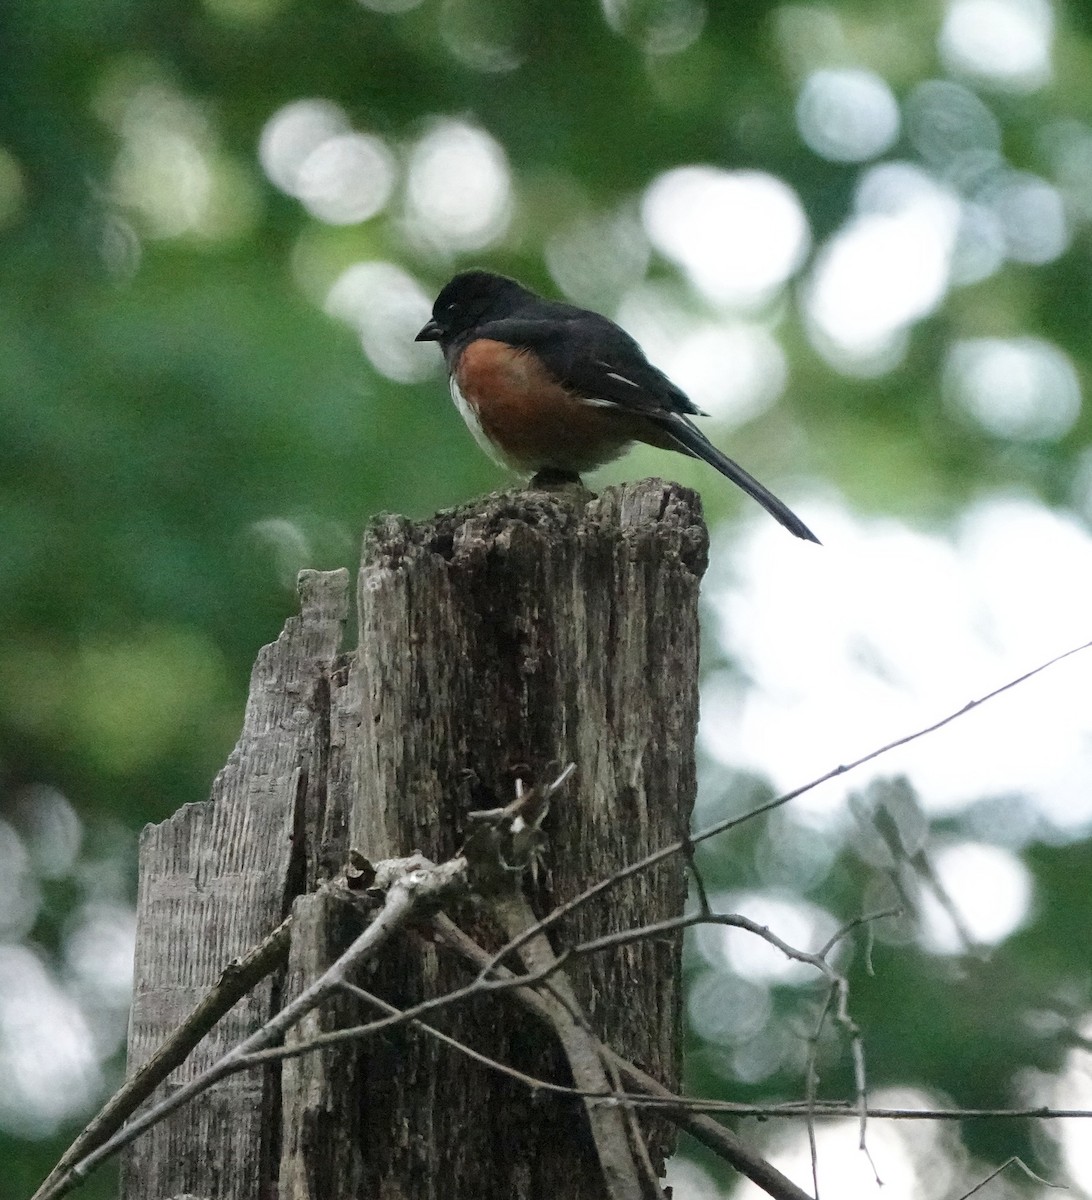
(619, 1153)
(671, 924)
(55, 1188)
(710, 1133)
(811, 1086)
(236, 980)
(793, 1110)
(839, 985)
(581, 1047)
(719, 827)
(1014, 1161)
(415, 884)
(838, 990)
(494, 1064)
(840, 1109)
(500, 982)
(356, 1032)
(685, 1112)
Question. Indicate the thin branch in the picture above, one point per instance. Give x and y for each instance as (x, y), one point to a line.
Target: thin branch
(409, 882)
(532, 1082)
(711, 831)
(818, 960)
(811, 1087)
(1014, 1161)
(837, 999)
(581, 1047)
(356, 1033)
(839, 1109)
(714, 1136)
(236, 980)
(699, 883)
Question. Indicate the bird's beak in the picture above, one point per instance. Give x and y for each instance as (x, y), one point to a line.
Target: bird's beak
(430, 333)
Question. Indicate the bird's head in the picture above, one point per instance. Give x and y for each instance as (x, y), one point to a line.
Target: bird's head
(467, 300)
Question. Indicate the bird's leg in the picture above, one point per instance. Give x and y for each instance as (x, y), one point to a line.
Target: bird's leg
(550, 479)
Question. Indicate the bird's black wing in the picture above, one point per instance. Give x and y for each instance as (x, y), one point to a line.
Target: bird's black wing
(593, 358)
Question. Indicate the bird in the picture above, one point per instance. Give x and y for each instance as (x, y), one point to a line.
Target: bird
(551, 390)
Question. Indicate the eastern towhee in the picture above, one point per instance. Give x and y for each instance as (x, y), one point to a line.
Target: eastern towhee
(553, 390)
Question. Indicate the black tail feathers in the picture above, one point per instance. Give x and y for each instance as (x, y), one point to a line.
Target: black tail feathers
(692, 441)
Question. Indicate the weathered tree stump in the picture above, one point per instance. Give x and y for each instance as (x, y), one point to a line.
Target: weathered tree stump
(497, 641)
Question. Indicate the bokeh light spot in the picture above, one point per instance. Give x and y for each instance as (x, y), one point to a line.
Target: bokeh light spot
(51, 830)
(1068, 145)
(99, 953)
(340, 176)
(1020, 388)
(47, 1058)
(910, 1157)
(1071, 1088)
(292, 134)
(903, 628)
(20, 896)
(990, 889)
(482, 34)
(1007, 43)
(953, 129)
(459, 190)
(170, 173)
(387, 307)
(1030, 214)
(163, 174)
(847, 115)
(885, 269)
(596, 258)
(657, 26)
(738, 235)
(688, 1181)
(802, 925)
(346, 179)
(733, 370)
(726, 1010)
(980, 245)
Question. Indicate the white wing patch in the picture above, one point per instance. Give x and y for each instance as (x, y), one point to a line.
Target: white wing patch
(613, 374)
(623, 379)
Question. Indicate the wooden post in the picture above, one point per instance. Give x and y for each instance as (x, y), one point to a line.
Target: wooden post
(497, 641)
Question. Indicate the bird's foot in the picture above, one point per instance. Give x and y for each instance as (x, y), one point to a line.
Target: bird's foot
(551, 479)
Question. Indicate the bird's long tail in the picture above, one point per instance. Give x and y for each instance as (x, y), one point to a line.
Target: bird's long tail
(692, 441)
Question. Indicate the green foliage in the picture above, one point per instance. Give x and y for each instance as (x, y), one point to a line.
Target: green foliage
(183, 426)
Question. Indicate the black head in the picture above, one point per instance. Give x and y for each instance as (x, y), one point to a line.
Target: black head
(469, 299)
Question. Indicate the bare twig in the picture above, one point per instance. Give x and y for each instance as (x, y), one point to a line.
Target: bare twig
(719, 827)
(699, 883)
(531, 1081)
(711, 1134)
(356, 1033)
(237, 979)
(408, 882)
(580, 1045)
(818, 960)
(811, 1087)
(97, 1142)
(1012, 1162)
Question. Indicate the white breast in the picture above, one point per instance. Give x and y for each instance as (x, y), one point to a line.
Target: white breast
(470, 416)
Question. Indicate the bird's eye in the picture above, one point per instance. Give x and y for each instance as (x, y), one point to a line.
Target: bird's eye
(452, 306)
